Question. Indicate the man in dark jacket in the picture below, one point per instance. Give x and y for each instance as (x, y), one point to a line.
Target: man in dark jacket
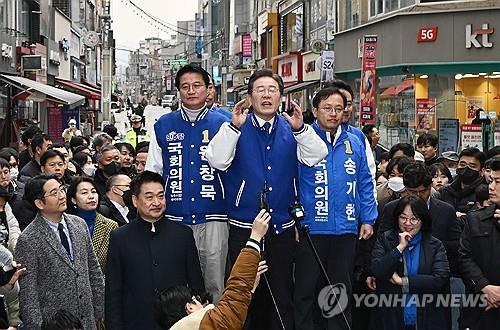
(39, 144)
(146, 257)
(460, 193)
(479, 259)
(108, 164)
(115, 204)
(427, 144)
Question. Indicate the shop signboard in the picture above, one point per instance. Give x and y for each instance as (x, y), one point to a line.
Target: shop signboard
(472, 136)
(368, 78)
(246, 45)
(448, 130)
(327, 65)
(474, 103)
(425, 118)
(497, 134)
(288, 68)
(55, 123)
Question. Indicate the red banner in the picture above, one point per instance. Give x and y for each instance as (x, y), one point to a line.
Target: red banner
(246, 45)
(368, 76)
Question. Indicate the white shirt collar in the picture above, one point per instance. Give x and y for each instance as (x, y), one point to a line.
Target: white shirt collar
(122, 209)
(261, 122)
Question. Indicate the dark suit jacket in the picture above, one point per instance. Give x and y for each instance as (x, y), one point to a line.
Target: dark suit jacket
(445, 227)
(141, 264)
(29, 171)
(109, 210)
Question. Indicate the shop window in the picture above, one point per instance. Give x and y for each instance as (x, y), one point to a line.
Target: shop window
(293, 30)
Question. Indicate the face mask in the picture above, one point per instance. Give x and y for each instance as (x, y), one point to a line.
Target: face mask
(89, 170)
(14, 172)
(127, 197)
(467, 175)
(396, 184)
(453, 172)
(111, 169)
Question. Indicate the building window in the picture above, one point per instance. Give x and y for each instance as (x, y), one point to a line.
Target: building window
(292, 26)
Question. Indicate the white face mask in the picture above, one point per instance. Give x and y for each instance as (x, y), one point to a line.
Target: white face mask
(14, 172)
(396, 184)
(89, 170)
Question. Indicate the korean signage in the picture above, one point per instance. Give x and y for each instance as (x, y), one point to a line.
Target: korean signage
(246, 45)
(448, 135)
(311, 63)
(289, 67)
(368, 77)
(425, 118)
(428, 34)
(472, 136)
(327, 65)
(474, 103)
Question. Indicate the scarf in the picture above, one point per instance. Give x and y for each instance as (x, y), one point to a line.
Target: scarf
(411, 257)
(89, 217)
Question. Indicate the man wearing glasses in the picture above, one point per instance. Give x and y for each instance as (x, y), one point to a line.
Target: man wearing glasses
(193, 189)
(338, 197)
(260, 153)
(62, 269)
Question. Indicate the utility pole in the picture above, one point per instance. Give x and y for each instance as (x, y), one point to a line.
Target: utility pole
(106, 61)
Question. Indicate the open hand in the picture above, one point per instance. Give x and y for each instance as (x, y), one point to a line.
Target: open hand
(260, 225)
(261, 270)
(240, 113)
(297, 119)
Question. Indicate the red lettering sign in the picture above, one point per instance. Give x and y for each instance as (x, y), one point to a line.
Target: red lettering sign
(427, 34)
(286, 69)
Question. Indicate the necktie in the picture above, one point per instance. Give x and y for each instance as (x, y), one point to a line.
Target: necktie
(64, 239)
(267, 127)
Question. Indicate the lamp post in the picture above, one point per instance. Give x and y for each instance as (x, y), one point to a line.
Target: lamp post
(106, 62)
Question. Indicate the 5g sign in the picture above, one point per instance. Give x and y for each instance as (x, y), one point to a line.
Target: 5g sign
(428, 34)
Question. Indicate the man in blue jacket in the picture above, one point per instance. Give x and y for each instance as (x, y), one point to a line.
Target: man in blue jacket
(193, 189)
(259, 153)
(336, 194)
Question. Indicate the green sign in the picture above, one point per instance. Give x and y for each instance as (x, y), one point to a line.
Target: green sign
(177, 62)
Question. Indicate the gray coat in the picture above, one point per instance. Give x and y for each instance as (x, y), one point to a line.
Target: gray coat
(52, 281)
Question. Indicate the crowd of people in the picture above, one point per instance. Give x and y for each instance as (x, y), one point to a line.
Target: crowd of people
(173, 228)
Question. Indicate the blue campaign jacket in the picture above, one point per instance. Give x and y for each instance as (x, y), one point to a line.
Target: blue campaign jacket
(262, 158)
(193, 189)
(339, 190)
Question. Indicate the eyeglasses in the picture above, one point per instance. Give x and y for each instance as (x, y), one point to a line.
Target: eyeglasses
(195, 87)
(59, 164)
(337, 109)
(412, 220)
(58, 192)
(261, 90)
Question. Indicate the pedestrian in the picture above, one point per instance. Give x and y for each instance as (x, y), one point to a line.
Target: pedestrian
(70, 131)
(52, 162)
(147, 256)
(83, 201)
(479, 260)
(137, 133)
(259, 153)
(441, 175)
(108, 164)
(427, 144)
(40, 143)
(116, 203)
(407, 261)
(63, 272)
(9, 182)
(372, 131)
(194, 191)
(26, 154)
(140, 159)
(333, 210)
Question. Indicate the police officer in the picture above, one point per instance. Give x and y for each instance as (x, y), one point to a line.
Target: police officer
(136, 134)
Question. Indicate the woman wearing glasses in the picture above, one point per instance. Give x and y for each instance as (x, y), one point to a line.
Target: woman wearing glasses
(83, 201)
(410, 264)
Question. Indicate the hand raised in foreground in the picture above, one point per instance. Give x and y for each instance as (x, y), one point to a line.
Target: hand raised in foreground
(260, 225)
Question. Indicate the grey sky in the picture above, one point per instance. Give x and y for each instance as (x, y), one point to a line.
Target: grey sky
(129, 27)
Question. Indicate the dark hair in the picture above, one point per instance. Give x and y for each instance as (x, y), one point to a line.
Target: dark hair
(427, 138)
(142, 144)
(29, 133)
(401, 162)
(385, 156)
(170, 305)
(475, 153)
(439, 167)
(493, 152)
(100, 139)
(80, 149)
(72, 207)
(191, 69)
(7, 152)
(111, 130)
(416, 174)
(368, 128)
(77, 141)
(418, 207)
(339, 84)
(495, 165)
(111, 182)
(482, 193)
(127, 145)
(264, 73)
(369, 138)
(325, 93)
(80, 158)
(4, 163)
(142, 178)
(62, 320)
(33, 189)
(406, 148)
(142, 150)
(38, 140)
(50, 154)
